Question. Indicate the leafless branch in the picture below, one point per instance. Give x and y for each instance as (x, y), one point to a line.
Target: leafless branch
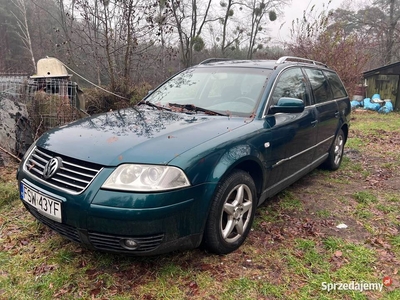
(9, 153)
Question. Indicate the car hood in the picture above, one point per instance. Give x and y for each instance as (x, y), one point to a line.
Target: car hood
(135, 135)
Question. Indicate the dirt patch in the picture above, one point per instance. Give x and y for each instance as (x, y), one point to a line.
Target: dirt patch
(8, 173)
(393, 183)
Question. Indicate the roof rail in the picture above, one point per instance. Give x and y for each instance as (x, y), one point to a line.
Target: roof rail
(299, 59)
(212, 60)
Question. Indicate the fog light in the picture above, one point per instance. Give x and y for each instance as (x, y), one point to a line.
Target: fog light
(129, 244)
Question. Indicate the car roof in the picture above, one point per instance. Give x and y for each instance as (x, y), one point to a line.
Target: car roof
(266, 64)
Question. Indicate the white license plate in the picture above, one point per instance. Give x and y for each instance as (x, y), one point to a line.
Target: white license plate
(44, 204)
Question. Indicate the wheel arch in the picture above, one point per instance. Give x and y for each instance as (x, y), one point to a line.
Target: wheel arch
(250, 165)
(255, 171)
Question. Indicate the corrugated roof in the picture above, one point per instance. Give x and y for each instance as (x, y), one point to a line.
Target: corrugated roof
(382, 70)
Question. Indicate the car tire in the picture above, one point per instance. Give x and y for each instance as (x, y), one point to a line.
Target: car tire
(231, 214)
(336, 152)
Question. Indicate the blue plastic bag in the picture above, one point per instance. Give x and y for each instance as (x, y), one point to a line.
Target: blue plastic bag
(387, 108)
(371, 106)
(376, 96)
(355, 104)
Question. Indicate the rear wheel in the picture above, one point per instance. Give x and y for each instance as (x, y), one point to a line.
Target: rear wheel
(336, 152)
(231, 214)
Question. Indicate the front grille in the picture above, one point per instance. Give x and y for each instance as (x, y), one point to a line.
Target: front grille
(63, 229)
(113, 243)
(73, 176)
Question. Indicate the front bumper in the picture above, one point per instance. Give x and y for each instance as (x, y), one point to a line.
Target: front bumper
(148, 245)
(104, 220)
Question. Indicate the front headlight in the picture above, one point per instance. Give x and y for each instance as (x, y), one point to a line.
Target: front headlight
(144, 178)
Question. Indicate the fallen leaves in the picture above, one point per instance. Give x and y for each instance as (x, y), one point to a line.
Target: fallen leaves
(338, 253)
(43, 268)
(379, 242)
(193, 288)
(337, 260)
(292, 228)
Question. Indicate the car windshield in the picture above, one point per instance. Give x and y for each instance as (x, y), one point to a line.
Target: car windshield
(225, 90)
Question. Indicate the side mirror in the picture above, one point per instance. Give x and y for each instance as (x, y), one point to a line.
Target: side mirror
(287, 105)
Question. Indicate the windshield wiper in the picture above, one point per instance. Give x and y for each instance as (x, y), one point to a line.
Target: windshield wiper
(153, 105)
(191, 107)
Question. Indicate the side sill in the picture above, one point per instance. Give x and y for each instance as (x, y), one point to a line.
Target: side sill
(284, 183)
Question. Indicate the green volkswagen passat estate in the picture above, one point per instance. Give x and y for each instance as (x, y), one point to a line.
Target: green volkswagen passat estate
(189, 164)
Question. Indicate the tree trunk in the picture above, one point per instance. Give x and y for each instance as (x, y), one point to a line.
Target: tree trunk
(391, 30)
(108, 38)
(24, 28)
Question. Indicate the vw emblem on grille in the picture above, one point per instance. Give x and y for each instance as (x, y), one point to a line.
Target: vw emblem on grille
(51, 167)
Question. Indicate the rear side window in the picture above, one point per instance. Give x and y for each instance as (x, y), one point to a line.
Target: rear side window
(319, 85)
(337, 87)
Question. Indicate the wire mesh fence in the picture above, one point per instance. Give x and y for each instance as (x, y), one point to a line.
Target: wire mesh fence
(50, 101)
(29, 107)
(13, 86)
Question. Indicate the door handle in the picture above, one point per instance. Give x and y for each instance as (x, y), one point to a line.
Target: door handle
(314, 123)
(337, 114)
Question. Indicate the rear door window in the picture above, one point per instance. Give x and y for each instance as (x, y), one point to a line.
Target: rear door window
(319, 85)
(337, 87)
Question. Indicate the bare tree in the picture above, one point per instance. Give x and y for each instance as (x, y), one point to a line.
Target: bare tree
(258, 12)
(392, 10)
(315, 37)
(107, 19)
(189, 21)
(66, 24)
(232, 28)
(244, 21)
(10, 43)
(24, 33)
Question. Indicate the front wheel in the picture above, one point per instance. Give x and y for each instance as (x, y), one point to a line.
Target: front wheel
(231, 214)
(336, 152)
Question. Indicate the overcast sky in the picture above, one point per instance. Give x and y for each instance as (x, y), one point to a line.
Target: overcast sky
(294, 11)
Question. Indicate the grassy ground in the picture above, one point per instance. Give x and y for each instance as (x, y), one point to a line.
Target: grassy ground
(293, 252)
